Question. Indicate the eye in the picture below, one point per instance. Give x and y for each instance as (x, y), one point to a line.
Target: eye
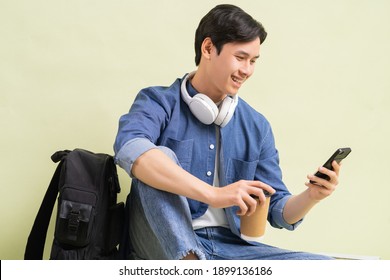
(239, 58)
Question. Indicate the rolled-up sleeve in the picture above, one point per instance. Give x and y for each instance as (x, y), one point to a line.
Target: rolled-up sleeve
(139, 129)
(130, 151)
(277, 215)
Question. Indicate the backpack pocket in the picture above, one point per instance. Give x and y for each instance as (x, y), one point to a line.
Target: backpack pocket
(75, 217)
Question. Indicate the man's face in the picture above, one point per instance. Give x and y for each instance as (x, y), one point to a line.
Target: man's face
(233, 66)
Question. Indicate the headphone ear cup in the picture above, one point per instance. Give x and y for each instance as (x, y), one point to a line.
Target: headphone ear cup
(203, 108)
(226, 111)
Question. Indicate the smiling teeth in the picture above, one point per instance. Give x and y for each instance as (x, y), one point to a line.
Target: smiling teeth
(236, 80)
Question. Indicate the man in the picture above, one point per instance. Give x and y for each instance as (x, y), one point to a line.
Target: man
(198, 155)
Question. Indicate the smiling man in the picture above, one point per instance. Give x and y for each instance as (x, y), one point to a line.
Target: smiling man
(198, 155)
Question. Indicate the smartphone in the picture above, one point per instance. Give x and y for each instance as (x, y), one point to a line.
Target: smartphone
(338, 156)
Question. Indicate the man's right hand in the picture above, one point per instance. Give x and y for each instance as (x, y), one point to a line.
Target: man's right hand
(241, 194)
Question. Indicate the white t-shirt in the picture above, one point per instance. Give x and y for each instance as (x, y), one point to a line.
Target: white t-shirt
(213, 216)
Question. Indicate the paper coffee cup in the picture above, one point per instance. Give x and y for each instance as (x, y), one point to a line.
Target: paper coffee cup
(253, 226)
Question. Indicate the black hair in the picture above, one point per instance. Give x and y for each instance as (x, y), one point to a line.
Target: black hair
(225, 24)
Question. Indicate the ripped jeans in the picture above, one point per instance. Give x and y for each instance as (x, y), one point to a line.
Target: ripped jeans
(160, 227)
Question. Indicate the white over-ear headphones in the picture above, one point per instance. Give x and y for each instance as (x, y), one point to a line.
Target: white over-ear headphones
(204, 109)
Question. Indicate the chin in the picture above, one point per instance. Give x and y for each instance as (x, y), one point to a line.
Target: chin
(232, 91)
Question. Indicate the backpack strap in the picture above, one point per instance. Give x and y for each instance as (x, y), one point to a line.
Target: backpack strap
(125, 246)
(36, 239)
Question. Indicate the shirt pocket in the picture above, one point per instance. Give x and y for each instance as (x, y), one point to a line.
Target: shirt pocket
(183, 151)
(240, 170)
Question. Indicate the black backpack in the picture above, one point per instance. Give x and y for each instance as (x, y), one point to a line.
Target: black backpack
(89, 221)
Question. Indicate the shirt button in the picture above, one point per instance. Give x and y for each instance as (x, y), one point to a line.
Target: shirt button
(212, 147)
(209, 173)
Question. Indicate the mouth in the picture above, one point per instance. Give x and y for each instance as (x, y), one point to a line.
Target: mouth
(238, 81)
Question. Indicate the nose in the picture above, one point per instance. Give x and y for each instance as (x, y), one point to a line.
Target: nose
(246, 69)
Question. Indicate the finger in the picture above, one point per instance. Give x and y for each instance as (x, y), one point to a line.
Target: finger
(267, 188)
(336, 167)
(243, 208)
(251, 204)
(319, 188)
(333, 177)
(323, 183)
(257, 193)
(263, 186)
(317, 181)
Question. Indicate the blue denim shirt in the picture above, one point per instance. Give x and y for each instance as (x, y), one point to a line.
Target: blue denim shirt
(159, 117)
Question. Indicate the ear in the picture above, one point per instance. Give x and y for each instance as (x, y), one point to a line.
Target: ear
(207, 48)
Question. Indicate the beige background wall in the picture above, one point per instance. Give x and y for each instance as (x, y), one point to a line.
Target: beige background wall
(69, 69)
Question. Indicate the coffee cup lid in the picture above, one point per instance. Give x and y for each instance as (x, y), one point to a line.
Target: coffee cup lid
(267, 194)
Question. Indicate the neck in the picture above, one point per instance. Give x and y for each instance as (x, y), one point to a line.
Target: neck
(202, 83)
